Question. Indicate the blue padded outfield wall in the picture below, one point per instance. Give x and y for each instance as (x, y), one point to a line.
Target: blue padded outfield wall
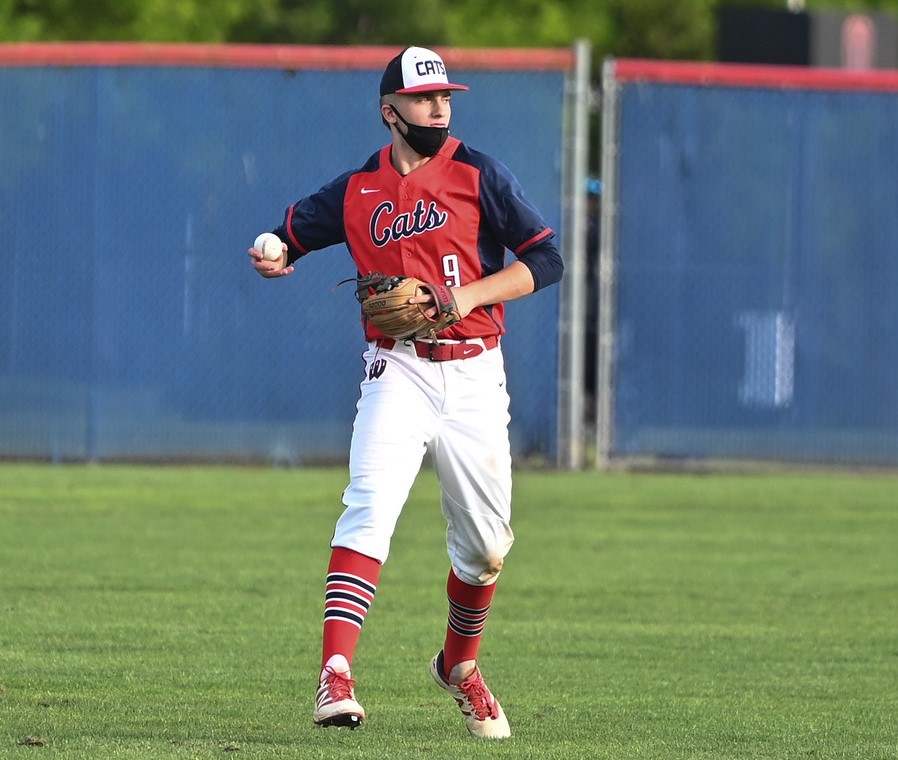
(131, 324)
(756, 263)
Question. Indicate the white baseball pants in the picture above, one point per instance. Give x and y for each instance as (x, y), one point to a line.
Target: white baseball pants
(456, 410)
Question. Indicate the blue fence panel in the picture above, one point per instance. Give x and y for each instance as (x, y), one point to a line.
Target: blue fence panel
(131, 325)
(756, 310)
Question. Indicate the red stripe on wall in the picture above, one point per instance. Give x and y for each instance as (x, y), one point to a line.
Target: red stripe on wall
(748, 75)
(269, 56)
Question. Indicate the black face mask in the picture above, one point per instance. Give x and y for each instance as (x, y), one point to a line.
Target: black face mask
(425, 141)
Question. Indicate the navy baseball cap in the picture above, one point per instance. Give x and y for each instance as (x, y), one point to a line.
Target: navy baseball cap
(416, 69)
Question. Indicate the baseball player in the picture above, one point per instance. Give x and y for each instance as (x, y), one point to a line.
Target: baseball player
(425, 206)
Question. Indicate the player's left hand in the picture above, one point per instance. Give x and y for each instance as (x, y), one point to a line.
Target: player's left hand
(269, 269)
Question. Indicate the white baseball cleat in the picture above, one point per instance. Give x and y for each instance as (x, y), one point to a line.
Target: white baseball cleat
(335, 703)
(483, 713)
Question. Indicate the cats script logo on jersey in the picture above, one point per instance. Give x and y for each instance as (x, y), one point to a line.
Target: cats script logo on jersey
(385, 227)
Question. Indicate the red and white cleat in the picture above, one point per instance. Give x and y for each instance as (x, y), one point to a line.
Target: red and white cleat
(335, 703)
(483, 713)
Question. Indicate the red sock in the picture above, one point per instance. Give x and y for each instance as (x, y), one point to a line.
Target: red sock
(468, 610)
(351, 583)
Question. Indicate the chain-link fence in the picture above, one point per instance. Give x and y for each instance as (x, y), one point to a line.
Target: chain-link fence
(131, 324)
(749, 264)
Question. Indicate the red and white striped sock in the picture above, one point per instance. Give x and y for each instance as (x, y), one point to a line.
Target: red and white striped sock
(351, 585)
(469, 607)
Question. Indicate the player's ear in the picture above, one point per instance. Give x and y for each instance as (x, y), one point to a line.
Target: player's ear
(386, 113)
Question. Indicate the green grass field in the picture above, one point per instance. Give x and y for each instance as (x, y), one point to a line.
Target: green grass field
(175, 613)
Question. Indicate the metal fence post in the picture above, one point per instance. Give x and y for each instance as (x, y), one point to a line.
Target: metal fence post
(573, 301)
(608, 232)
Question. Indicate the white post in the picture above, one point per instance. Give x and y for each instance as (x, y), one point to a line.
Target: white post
(607, 270)
(573, 296)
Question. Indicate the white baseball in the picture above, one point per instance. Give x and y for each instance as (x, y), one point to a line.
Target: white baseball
(270, 245)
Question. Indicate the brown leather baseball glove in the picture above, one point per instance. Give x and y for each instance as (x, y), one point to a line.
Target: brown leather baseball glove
(385, 304)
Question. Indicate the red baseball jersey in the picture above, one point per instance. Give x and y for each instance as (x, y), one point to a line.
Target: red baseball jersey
(450, 221)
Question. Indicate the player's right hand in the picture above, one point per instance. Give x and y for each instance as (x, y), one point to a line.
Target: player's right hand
(269, 269)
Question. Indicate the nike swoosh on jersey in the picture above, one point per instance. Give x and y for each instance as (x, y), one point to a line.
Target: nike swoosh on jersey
(366, 190)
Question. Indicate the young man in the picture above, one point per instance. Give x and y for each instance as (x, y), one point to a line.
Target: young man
(425, 206)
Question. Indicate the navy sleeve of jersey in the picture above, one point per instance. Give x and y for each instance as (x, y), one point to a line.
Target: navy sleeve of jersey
(515, 221)
(544, 261)
(316, 221)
